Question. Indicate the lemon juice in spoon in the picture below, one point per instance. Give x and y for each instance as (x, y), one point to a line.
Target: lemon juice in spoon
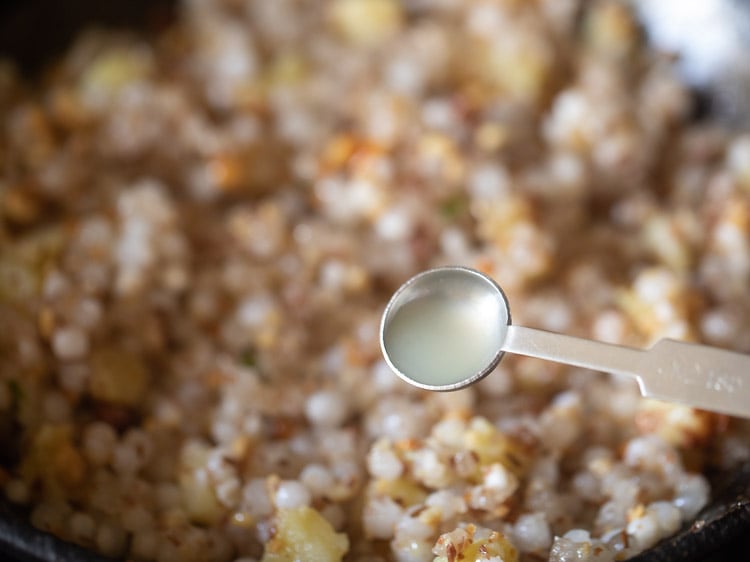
(438, 340)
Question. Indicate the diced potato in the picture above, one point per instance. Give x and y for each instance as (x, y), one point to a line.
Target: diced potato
(117, 376)
(304, 534)
(492, 446)
(116, 68)
(610, 29)
(196, 488)
(54, 461)
(402, 490)
(678, 425)
(366, 21)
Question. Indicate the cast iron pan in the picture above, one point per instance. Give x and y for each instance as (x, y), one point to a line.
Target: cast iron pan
(32, 33)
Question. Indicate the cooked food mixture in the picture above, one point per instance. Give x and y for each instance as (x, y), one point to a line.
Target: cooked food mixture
(200, 231)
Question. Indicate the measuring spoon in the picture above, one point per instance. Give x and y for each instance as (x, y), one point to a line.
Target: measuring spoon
(447, 328)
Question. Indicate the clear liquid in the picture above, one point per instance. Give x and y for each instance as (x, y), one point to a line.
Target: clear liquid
(437, 340)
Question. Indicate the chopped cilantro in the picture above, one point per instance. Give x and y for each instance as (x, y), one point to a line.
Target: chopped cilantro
(249, 358)
(454, 207)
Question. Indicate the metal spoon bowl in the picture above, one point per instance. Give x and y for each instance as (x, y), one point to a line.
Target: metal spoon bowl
(472, 302)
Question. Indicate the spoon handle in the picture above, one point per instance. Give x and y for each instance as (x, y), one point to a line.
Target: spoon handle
(697, 375)
(580, 352)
